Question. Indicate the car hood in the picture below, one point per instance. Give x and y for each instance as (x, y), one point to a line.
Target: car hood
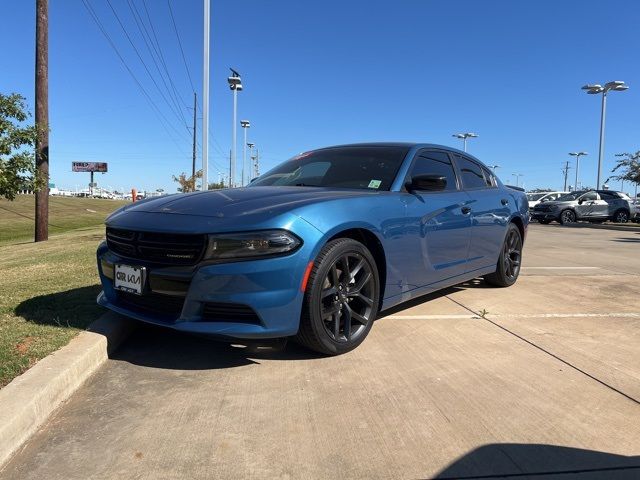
(238, 202)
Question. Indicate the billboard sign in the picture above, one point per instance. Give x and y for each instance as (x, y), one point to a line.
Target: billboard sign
(89, 167)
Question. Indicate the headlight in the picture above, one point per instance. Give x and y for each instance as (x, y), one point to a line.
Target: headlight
(251, 244)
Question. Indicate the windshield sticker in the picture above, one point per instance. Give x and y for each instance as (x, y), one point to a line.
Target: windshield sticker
(375, 183)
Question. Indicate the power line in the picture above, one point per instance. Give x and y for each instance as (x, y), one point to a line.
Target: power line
(164, 64)
(126, 33)
(175, 29)
(142, 29)
(155, 108)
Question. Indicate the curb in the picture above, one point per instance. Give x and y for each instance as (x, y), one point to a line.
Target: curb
(28, 400)
(622, 228)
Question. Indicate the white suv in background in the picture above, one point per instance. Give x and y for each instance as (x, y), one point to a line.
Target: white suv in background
(539, 197)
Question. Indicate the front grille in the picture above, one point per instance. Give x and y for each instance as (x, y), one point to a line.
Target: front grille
(229, 312)
(165, 248)
(155, 303)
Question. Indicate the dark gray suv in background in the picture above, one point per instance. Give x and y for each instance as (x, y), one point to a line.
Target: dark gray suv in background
(585, 205)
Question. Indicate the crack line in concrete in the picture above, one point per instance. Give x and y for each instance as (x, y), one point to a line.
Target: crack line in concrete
(601, 382)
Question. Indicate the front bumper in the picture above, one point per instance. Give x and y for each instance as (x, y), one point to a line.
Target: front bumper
(248, 299)
(537, 215)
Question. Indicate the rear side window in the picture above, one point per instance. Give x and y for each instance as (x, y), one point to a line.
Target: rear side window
(435, 163)
(609, 196)
(489, 178)
(472, 176)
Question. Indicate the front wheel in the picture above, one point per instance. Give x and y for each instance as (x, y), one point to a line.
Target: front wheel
(568, 216)
(508, 267)
(341, 298)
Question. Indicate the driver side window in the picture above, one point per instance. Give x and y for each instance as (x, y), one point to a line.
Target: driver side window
(435, 163)
(589, 197)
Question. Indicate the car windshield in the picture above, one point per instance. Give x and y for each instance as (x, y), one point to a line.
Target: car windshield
(532, 197)
(567, 197)
(372, 168)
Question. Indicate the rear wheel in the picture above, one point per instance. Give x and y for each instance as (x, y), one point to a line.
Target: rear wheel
(508, 267)
(621, 216)
(341, 298)
(568, 216)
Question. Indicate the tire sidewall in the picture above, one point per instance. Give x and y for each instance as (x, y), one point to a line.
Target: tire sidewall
(507, 280)
(335, 250)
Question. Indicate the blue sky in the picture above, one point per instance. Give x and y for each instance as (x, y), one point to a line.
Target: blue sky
(331, 72)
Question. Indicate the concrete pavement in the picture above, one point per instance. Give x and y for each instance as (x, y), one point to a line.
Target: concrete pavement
(545, 383)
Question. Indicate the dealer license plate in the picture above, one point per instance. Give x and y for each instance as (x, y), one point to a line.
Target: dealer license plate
(129, 279)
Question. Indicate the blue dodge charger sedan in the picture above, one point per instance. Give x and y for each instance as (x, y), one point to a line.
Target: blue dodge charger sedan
(316, 247)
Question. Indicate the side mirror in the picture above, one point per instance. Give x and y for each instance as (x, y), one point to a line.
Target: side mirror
(427, 183)
(580, 201)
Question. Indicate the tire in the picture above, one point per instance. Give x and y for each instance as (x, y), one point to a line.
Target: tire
(337, 320)
(621, 216)
(544, 222)
(567, 216)
(508, 267)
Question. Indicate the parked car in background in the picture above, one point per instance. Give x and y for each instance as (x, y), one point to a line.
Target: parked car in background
(534, 198)
(635, 212)
(314, 248)
(585, 205)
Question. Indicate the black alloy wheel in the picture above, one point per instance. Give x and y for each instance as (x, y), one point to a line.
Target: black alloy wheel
(567, 216)
(341, 299)
(510, 261)
(621, 216)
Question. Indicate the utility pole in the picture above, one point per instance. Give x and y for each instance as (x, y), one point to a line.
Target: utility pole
(566, 172)
(42, 120)
(257, 163)
(205, 96)
(193, 166)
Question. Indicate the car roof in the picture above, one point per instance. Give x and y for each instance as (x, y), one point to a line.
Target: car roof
(408, 145)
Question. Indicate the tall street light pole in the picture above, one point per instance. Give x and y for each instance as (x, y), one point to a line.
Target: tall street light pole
(205, 97)
(235, 84)
(578, 155)
(245, 126)
(464, 137)
(592, 89)
(42, 120)
(517, 175)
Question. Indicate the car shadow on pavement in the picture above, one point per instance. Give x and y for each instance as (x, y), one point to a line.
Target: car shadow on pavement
(159, 347)
(533, 461)
(75, 308)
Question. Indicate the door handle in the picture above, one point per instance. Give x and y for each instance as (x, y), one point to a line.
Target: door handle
(466, 210)
(504, 201)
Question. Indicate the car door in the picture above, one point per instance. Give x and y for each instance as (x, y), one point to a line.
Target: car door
(490, 212)
(439, 223)
(587, 205)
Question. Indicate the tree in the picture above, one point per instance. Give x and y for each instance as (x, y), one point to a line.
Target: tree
(629, 168)
(17, 157)
(187, 184)
(216, 186)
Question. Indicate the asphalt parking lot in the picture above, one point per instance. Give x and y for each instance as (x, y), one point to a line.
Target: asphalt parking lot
(541, 380)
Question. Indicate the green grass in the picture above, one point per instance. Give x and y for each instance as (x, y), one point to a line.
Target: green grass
(47, 290)
(65, 213)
